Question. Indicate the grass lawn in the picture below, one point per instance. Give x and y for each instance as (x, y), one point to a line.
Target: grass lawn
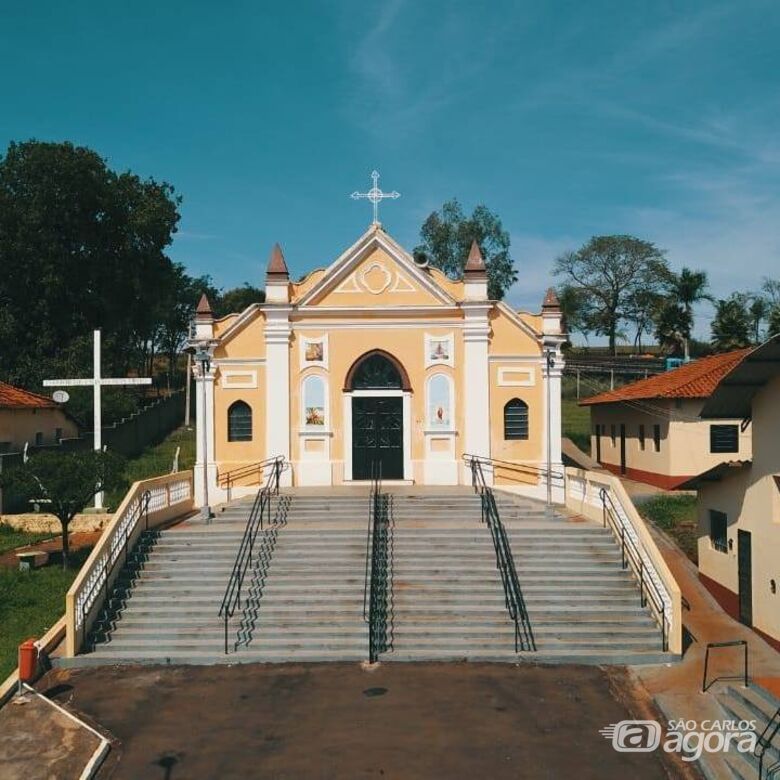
(10, 538)
(576, 423)
(30, 603)
(157, 460)
(677, 516)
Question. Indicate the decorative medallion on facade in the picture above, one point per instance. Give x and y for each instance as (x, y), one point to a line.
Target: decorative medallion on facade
(439, 350)
(314, 352)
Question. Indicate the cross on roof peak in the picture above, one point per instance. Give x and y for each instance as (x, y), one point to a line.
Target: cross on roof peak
(375, 195)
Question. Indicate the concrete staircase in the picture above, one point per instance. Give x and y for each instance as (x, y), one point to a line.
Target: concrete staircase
(448, 598)
(745, 704)
(304, 601)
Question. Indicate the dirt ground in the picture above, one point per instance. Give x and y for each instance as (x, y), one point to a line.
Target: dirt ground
(78, 541)
(486, 721)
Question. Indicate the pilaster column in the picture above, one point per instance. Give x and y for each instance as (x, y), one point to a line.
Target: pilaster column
(552, 390)
(204, 444)
(277, 385)
(476, 378)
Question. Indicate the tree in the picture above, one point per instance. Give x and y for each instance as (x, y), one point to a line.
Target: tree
(686, 289)
(611, 271)
(673, 323)
(69, 480)
(641, 310)
(759, 310)
(237, 299)
(446, 237)
(731, 325)
(81, 247)
(773, 322)
(574, 309)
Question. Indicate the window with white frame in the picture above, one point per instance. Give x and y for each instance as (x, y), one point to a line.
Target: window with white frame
(439, 401)
(314, 406)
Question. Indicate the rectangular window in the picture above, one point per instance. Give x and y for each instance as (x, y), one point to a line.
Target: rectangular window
(657, 438)
(38, 439)
(718, 531)
(642, 438)
(58, 434)
(598, 442)
(612, 434)
(724, 438)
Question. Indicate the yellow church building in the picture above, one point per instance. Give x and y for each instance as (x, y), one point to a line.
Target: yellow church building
(378, 358)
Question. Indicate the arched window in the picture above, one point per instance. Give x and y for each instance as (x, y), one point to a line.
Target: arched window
(314, 408)
(439, 401)
(239, 422)
(376, 372)
(516, 419)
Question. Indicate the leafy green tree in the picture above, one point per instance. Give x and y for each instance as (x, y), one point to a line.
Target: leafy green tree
(68, 480)
(673, 323)
(181, 296)
(641, 310)
(773, 321)
(731, 326)
(237, 299)
(759, 310)
(686, 289)
(611, 271)
(574, 309)
(81, 247)
(446, 238)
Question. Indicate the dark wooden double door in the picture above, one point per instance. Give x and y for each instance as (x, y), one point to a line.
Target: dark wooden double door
(377, 436)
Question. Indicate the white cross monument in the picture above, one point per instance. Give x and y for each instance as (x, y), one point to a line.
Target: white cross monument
(97, 382)
(375, 196)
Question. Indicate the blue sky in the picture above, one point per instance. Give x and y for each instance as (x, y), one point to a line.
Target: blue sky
(569, 119)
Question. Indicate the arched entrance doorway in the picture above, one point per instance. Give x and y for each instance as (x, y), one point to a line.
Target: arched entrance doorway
(379, 389)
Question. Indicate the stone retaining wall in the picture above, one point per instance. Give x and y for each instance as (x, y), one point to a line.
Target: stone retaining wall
(42, 522)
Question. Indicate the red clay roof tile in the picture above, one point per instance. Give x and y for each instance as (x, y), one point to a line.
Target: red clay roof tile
(696, 379)
(15, 398)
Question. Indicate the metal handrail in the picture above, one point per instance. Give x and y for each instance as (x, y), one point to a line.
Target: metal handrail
(629, 554)
(513, 594)
(764, 741)
(715, 646)
(375, 587)
(261, 505)
(228, 479)
(508, 465)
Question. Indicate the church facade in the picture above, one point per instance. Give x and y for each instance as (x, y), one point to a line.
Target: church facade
(377, 359)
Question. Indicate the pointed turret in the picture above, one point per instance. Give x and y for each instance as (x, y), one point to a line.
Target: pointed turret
(475, 263)
(552, 319)
(277, 278)
(276, 264)
(475, 275)
(551, 300)
(204, 311)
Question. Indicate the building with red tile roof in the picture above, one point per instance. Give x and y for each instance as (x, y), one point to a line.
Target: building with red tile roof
(30, 418)
(650, 430)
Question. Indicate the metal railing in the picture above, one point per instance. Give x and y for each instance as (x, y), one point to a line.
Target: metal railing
(260, 508)
(764, 741)
(249, 475)
(375, 586)
(513, 595)
(715, 645)
(649, 593)
(494, 465)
